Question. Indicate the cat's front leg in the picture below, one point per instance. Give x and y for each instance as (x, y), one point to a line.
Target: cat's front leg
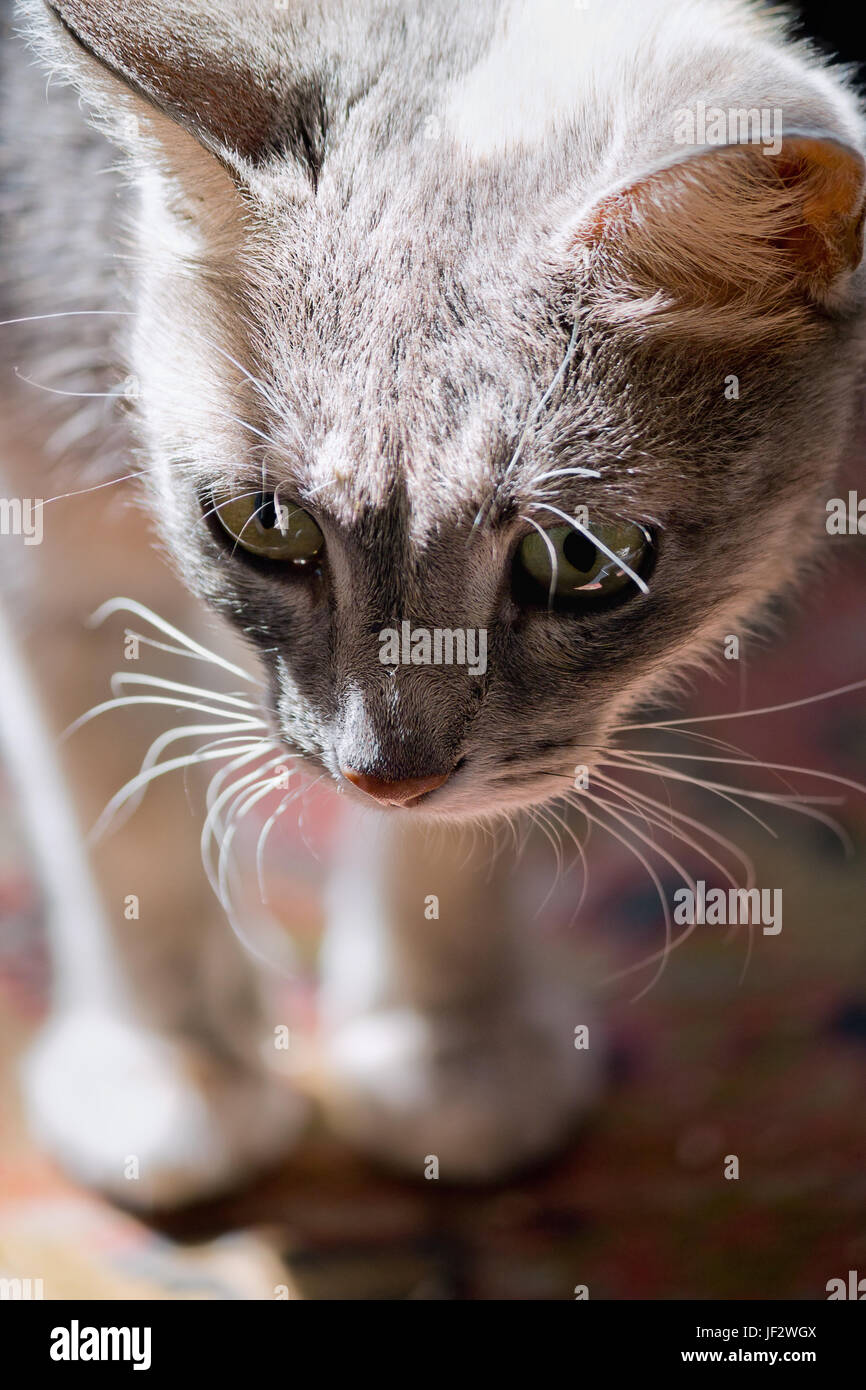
(147, 1080)
(452, 1031)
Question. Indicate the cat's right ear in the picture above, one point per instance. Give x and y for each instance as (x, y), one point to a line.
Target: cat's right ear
(731, 242)
(181, 85)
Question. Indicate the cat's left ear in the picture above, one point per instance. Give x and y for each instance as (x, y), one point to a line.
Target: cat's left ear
(170, 79)
(729, 241)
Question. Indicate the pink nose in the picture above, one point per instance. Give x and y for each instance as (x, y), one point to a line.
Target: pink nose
(404, 793)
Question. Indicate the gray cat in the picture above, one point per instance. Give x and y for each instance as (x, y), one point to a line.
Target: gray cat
(487, 365)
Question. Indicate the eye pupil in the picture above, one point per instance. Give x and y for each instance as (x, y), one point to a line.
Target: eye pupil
(266, 510)
(579, 551)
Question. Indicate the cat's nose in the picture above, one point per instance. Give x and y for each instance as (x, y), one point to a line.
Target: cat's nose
(403, 793)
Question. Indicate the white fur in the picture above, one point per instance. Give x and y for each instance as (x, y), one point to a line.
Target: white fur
(625, 67)
(147, 1119)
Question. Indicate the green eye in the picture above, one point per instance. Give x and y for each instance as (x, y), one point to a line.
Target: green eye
(265, 525)
(565, 568)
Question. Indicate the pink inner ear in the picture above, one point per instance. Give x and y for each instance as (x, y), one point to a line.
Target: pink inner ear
(731, 240)
(830, 182)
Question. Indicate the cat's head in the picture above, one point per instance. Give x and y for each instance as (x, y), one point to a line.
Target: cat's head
(567, 408)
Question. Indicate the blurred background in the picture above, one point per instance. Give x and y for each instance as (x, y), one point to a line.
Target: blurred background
(761, 1054)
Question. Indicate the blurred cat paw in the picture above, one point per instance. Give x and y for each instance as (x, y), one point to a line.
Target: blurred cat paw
(481, 1097)
(151, 1121)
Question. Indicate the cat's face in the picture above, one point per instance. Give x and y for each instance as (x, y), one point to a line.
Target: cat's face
(391, 411)
(386, 383)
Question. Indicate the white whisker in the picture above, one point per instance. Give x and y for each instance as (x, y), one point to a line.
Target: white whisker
(642, 859)
(804, 805)
(611, 554)
(126, 701)
(213, 828)
(128, 605)
(560, 373)
(142, 779)
(122, 678)
(231, 739)
(188, 655)
(769, 767)
(747, 713)
(239, 808)
(68, 314)
(567, 829)
(689, 840)
(634, 764)
(554, 562)
(789, 799)
(567, 473)
(539, 814)
(73, 395)
(96, 487)
(264, 836)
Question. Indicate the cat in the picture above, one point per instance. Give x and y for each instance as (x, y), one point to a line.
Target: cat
(536, 320)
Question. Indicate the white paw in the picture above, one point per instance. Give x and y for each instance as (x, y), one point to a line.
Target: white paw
(485, 1097)
(153, 1122)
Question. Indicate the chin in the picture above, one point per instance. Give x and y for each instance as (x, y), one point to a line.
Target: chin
(485, 803)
